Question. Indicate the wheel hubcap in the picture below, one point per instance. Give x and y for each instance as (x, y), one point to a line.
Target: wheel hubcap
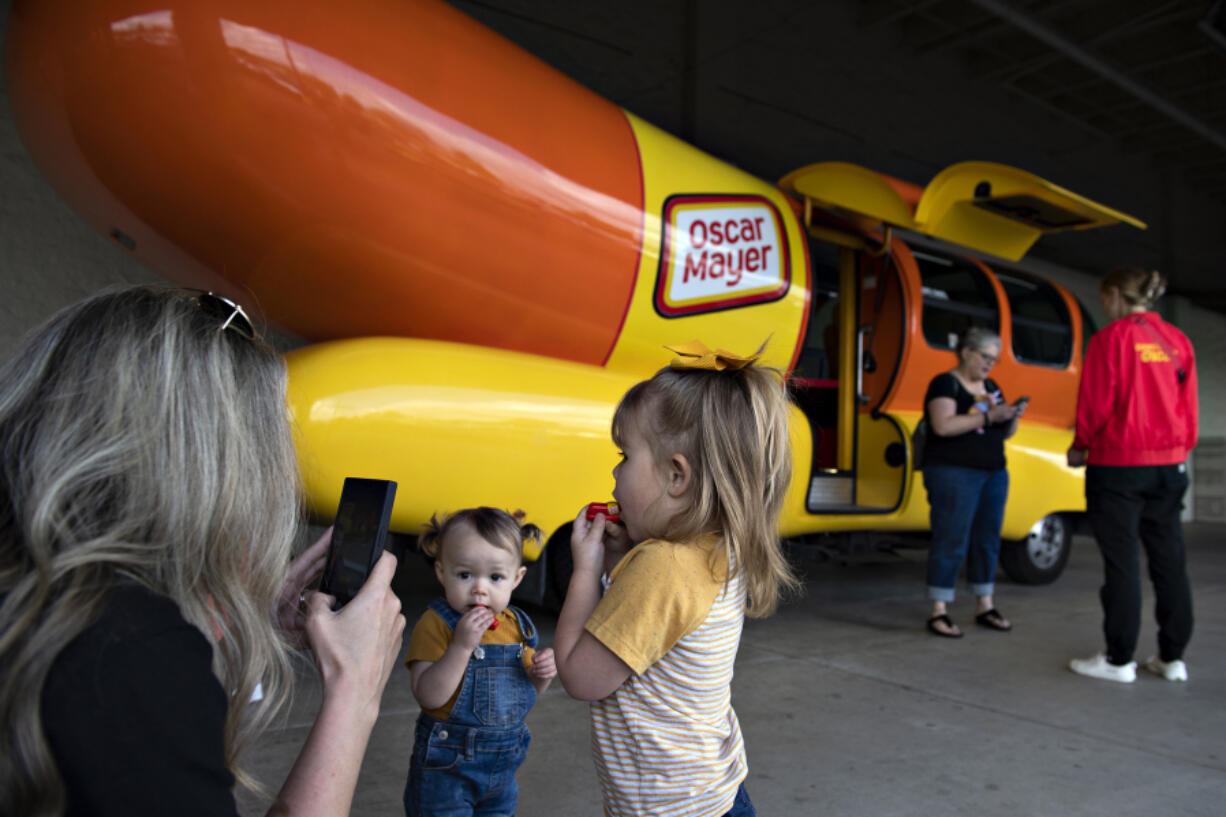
(1046, 541)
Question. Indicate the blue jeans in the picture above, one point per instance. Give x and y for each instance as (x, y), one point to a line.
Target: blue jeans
(967, 507)
(741, 807)
(460, 771)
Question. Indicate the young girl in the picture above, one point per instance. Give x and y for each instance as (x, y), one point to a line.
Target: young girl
(704, 470)
(475, 669)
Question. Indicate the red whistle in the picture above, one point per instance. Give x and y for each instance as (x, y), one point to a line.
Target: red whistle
(611, 510)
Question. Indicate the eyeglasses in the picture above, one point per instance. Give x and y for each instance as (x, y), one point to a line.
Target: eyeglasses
(991, 359)
(229, 313)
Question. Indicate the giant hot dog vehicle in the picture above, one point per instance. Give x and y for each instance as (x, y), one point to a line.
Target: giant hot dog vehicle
(481, 256)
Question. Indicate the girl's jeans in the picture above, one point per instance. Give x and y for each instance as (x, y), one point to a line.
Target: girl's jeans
(967, 506)
(741, 807)
(1129, 508)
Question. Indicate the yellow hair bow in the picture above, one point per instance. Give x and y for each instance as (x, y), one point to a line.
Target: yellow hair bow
(696, 355)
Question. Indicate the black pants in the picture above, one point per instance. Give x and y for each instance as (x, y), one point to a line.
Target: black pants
(1130, 508)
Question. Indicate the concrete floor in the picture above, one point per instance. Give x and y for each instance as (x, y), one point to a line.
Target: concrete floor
(850, 708)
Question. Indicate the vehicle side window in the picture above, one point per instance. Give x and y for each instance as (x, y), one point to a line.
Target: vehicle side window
(957, 295)
(1042, 326)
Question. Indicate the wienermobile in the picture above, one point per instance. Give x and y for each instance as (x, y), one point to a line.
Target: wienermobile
(481, 256)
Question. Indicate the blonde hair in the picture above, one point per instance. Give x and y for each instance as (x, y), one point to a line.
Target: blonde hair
(140, 443)
(732, 427)
(1137, 287)
(496, 526)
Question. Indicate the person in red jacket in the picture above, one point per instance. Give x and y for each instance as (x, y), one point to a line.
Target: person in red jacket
(1136, 423)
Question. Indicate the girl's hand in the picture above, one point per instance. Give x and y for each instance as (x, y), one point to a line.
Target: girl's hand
(472, 626)
(544, 666)
(356, 647)
(587, 542)
(289, 612)
(1076, 458)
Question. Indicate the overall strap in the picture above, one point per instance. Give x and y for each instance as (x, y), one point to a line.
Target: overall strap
(525, 626)
(450, 617)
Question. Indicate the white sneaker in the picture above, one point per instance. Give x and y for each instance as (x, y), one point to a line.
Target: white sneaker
(1099, 667)
(1170, 670)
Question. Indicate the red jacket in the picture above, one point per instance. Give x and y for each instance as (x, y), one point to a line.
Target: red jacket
(1132, 408)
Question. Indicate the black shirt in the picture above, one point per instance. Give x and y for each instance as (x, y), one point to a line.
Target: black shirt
(975, 449)
(135, 716)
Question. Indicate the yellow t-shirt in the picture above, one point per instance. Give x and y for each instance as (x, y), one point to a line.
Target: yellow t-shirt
(431, 637)
(667, 741)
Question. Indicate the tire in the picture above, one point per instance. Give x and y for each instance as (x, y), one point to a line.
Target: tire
(1040, 557)
(559, 564)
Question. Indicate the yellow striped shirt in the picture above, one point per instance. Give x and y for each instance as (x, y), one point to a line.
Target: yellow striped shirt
(667, 742)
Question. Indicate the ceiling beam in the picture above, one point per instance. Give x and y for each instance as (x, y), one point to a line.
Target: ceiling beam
(1143, 22)
(1074, 52)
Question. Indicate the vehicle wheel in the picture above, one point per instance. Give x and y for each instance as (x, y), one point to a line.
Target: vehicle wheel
(559, 565)
(1040, 557)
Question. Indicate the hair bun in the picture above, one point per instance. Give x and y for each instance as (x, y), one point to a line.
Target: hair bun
(1155, 286)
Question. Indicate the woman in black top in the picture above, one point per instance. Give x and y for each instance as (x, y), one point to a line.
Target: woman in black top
(965, 476)
(148, 506)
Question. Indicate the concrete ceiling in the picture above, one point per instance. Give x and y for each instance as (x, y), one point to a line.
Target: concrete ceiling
(1121, 100)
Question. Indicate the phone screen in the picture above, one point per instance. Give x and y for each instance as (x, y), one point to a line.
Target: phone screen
(358, 536)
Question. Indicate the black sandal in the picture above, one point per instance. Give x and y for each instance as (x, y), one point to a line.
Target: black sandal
(943, 618)
(993, 620)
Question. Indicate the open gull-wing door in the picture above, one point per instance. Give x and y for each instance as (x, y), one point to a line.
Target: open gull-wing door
(986, 206)
(983, 206)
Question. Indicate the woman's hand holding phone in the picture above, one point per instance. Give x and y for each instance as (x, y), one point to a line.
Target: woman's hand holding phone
(356, 647)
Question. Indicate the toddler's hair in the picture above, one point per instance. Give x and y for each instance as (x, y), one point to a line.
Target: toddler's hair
(1137, 286)
(732, 427)
(494, 525)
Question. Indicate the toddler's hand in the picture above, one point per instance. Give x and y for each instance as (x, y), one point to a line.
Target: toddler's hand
(471, 626)
(543, 665)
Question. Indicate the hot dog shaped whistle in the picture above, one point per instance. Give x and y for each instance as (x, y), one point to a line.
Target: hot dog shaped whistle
(611, 510)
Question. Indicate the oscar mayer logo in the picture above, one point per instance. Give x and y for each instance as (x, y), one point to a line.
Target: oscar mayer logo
(720, 252)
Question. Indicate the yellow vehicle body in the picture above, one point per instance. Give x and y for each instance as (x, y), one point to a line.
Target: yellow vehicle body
(483, 255)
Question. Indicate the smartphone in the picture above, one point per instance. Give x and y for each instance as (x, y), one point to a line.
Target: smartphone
(1021, 400)
(358, 536)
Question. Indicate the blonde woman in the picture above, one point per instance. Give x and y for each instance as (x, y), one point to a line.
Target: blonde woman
(1136, 423)
(148, 506)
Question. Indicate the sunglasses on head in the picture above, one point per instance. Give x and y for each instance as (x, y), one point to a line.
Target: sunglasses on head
(228, 313)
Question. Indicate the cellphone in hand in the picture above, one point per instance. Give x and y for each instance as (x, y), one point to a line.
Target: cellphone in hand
(1021, 401)
(358, 536)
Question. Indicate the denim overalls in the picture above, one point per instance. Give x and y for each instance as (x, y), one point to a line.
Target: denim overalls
(466, 764)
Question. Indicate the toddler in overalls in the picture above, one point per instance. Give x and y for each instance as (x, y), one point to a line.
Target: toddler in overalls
(475, 669)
